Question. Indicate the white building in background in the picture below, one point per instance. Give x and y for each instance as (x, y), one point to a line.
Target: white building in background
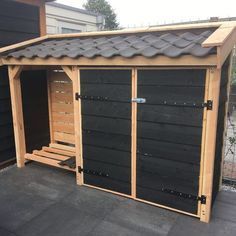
(63, 19)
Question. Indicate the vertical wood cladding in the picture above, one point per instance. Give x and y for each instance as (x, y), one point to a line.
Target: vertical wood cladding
(107, 128)
(169, 136)
(220, 128)
(35, 109)
(18, 22)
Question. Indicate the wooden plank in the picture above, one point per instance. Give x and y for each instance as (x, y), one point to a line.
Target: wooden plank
(62, 147)
(210, 141)
(62, 137)
(134, 133)
(78, 124)
(203, 141)
(63, 117)
(17, 113)
(58, 151)
(50, 155)
(219, 36)
(46, 161)
(61, 87)
(49, 76)
(63, 127)
(62, 97)
(224, 50)
(160, 60)
(62, 107)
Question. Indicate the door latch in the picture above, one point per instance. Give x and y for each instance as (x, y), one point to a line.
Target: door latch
(139, 100)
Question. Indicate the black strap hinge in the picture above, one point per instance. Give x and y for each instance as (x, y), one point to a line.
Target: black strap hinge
(202, 198)
(92, 172)
(208, 104)
(88, 97)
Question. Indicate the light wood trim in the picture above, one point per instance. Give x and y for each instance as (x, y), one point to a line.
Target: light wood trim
(74, 74)
(22, 44)
(134, 134)
(46, 161)
(148, 29)
(203, 140)
(224, 50)
(17, 113)
(185, 60)
(62, 147)
(225, 120)
(167, 208)
(219, 36)
(210, 143)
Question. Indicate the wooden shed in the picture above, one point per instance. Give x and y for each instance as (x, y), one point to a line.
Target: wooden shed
(140, 113)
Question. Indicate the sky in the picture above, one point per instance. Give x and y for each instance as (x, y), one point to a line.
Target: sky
(136, 13)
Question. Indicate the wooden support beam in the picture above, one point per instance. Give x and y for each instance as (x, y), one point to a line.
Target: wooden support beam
(134, 134)
(210, 142)
(74, 74)
(42, 19)
(17, 113)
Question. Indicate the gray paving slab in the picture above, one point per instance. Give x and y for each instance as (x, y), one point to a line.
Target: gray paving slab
(60, 220)
(92, 201)
(42, 201)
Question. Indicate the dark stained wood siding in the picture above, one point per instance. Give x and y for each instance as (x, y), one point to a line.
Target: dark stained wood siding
(169, 136)
(107, 128)
(18, 22)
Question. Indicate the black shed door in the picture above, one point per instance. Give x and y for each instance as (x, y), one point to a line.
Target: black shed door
(169, 137)
(106, 124)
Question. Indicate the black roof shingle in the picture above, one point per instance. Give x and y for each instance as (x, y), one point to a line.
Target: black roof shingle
(150, 44)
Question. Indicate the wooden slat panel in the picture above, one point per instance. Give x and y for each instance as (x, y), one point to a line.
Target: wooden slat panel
(45, 160)
(63, 87)
(60, 77)
(62, 107)
(62, 137)
(62, 147)
(64, 127)
(62, 97)
(62, 117)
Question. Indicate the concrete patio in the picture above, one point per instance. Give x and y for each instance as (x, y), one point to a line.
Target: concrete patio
(42, 201)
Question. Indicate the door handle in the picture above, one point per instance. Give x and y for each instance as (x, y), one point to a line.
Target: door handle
(139, 100)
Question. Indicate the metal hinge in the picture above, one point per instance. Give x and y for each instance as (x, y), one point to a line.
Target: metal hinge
(208, 104)
(87, 97)
(92, 172)
(202, 198)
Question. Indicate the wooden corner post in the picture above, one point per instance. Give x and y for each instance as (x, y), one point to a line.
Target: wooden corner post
(208, 153)
(17, 113)
(74, 74)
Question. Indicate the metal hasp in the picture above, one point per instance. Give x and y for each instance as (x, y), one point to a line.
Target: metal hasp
(88, 97)
(202, 198)
(92, 172)
(139, 100)
(208, 104)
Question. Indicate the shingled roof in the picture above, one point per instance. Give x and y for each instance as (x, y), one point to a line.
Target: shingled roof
(148, 44)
